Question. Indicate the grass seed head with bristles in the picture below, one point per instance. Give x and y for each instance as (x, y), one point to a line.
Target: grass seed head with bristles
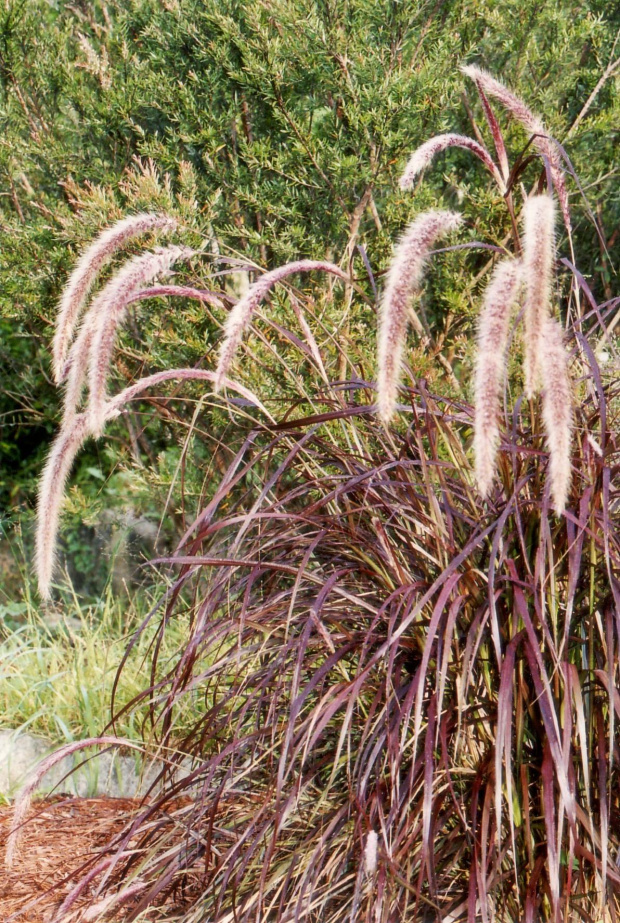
(107, 312)
(67, 444)
(532, 123)
(403, 280)
(81, 280)
(538, 263)
(557, 410)
(422, 157)
(493, 326)
(77, 361)
(239, 318)
(76, 367)
(51, 491)
(24, 799)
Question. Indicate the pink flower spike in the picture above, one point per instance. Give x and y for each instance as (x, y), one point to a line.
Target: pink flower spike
(90, 264)
(538, 260)
(533, 124)
(427, 151)
(24, 799)
(403, 280)
(239, 318)
(108, 310)
(177, 291)
(499, 299)
(75, 368)
(557, 410)
(51, 490)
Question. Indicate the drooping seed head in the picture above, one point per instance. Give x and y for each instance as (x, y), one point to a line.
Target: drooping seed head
(403, 281)
(51, 491)
(239, 318)
(107, 311)
(76, 365)
(538, 260)
(24, 798)
(75, 369)
(532, 123)
(81, 280)
(557, 410)
(493, 327)
(422, 157)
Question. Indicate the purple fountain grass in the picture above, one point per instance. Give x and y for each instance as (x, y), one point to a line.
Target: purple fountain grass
(81, 280)
(115, 404)
(51, 492)
(68, 443)
(493, 327)
(102, 866)
(107, 312)
(531, 122)
(24, 799)
(538, 260)
(427, 151)
(76, 365)
(104, 906)
(241, 315)
(177, 291)
(76, 368)
(557, 410)
(403, 280)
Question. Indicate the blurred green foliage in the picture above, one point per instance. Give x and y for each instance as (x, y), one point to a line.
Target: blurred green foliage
(273, 130)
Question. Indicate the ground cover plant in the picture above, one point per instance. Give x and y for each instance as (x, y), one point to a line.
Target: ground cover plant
(410, 704)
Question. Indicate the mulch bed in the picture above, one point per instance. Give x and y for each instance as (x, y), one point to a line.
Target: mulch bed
(61, 834)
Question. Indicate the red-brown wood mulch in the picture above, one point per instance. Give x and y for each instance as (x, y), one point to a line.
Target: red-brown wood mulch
(60, 836)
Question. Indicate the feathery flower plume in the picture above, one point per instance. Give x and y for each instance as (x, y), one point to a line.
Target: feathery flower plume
(370, 853)
(427, 151)
(24, 799)
(557, 410)
(107, 311)
(83, 276)
(493, 327)
(532, 123)
(68, 443)
(403, 279)
(538, 258)
(76, 365)
(240, 316)
(51, 491)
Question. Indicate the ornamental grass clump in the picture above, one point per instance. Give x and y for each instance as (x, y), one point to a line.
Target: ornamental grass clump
(407, 685)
